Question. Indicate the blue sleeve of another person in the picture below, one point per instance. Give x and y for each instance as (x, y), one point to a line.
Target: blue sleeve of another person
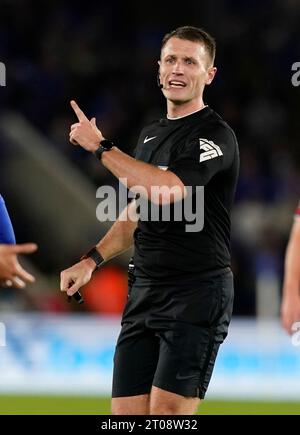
(7, 234)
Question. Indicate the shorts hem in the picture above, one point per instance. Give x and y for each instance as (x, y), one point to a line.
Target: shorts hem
(130, 393)
(181, 391)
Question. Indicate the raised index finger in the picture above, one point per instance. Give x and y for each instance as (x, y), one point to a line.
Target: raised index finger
(80, 115)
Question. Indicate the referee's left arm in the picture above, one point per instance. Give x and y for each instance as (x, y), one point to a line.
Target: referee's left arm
(156, 182)
(146, 175)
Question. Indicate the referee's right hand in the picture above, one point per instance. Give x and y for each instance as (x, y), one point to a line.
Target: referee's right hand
(74, 277)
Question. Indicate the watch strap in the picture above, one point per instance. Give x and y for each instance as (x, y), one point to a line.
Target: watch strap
(99, 151)
(105, 145)
(95, 255)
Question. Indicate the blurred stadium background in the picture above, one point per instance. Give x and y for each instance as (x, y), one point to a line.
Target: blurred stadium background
(58, 356)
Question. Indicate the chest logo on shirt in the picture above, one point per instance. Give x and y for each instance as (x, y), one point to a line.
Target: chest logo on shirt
(211, 150)
(149, 138)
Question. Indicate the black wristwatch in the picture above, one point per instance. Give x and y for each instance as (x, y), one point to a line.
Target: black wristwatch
(95, 255)
(105, 145)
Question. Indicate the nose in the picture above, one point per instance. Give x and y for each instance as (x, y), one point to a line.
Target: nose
(177, 68)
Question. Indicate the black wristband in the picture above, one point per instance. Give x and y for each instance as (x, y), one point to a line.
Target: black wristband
(95, 255)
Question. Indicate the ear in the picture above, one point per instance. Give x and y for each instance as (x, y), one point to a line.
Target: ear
(159, 63)
(211, 72)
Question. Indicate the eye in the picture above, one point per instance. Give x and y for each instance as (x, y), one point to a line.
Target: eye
(170, 60)
(190, 61)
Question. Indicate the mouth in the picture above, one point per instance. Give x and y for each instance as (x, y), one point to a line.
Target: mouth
(177, 84)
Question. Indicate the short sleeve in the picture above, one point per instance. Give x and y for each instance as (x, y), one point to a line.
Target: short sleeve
(203, 157)
(7, 235)
(136, 149)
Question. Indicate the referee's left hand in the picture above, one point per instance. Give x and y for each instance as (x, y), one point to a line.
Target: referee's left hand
(84, 133)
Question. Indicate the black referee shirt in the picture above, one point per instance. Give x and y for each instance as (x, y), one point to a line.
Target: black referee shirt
(202, 150)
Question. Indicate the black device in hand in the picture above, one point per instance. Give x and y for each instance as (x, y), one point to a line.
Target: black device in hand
(77, 296)
(98, 259)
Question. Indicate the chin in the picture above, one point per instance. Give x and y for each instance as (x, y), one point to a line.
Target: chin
(178, 101)
(176, 98)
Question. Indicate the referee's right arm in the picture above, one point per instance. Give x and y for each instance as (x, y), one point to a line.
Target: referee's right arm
(117, 240)
(120, 236)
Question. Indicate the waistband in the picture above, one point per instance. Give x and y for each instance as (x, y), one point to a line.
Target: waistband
(184, 280)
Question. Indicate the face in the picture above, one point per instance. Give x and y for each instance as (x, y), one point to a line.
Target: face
(185, 68)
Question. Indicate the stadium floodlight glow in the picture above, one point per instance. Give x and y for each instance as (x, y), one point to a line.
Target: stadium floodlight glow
(2, 74)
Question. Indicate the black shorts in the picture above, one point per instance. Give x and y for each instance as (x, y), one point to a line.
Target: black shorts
(170, 336)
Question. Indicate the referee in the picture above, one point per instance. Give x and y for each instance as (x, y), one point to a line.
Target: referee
(180, 283)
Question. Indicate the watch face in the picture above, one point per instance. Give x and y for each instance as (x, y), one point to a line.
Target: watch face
(107, 144)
